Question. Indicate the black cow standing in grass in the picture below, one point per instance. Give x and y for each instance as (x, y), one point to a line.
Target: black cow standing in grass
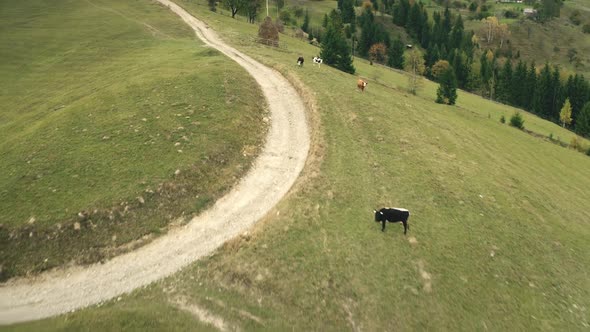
(392, 215)
(300, 61)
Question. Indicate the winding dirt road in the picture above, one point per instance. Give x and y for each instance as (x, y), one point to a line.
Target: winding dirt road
(270, 178)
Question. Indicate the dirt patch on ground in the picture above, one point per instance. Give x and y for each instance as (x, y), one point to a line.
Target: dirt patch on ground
(202, 314)
(426, 277)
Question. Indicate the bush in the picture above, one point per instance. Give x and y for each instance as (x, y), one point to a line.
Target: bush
(576, 144)
(502, 119)
(517, 121)
(588, 151)
(510, 14)
(285, 16)
(576, 17)
(458, 4)
(586, 28)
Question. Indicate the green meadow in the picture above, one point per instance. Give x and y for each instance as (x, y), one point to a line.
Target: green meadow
(115, 121)
(498, 235)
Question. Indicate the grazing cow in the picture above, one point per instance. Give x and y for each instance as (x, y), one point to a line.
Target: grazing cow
(392, 215)
(300, 61)
(361, 85)
(317, 60)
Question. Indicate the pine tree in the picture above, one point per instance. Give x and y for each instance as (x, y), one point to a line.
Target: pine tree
(531, 87)
(325, 21)
(447, 90)
(305, 25)
(583, 121)
(426, 31)
(456, 37)
(565, 116)
(414, 23)
(505, 83)
(543, 99)
(578, 91)
(447, 23)
(348, 14)
(518, 87)
(367, 38)
(400, 12)
(396, 54)
(432, 55)
(335, 50)
(461, 65)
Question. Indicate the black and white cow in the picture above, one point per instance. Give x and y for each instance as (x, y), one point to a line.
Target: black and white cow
(392, 215)
(300, 61)
(317, 60)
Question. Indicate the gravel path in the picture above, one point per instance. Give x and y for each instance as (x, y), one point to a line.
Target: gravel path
(270, 178)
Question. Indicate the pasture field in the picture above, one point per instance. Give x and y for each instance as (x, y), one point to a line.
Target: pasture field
(499, 221)
(114, 111)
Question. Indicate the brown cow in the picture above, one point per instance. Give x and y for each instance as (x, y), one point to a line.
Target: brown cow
(361, 85)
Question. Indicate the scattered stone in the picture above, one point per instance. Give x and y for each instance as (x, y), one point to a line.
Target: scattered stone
(141, 200)
(177, 172)
(412, 240)
(531, 284)
(177, 144)
(31, 221)
(104, 138)
(179, 151)
(114, 238)
(144, 119)
(492, 253)
(31, 234)
(77, 226)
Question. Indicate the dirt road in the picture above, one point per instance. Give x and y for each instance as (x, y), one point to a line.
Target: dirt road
(271, 176)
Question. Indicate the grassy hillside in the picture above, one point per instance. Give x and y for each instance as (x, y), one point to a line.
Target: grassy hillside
(113, 111)
(498, 236)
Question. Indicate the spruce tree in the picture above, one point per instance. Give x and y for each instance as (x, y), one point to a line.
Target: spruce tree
(531, 87)
(305, 25)
(578, 91)
(505, 83)
(542, 99)
(583, 121)
(456, 37)
(447, 90)
(461, 65)
(396, 54)
(348, 14)
(335, 50)
(400, 12)
(518, 87)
